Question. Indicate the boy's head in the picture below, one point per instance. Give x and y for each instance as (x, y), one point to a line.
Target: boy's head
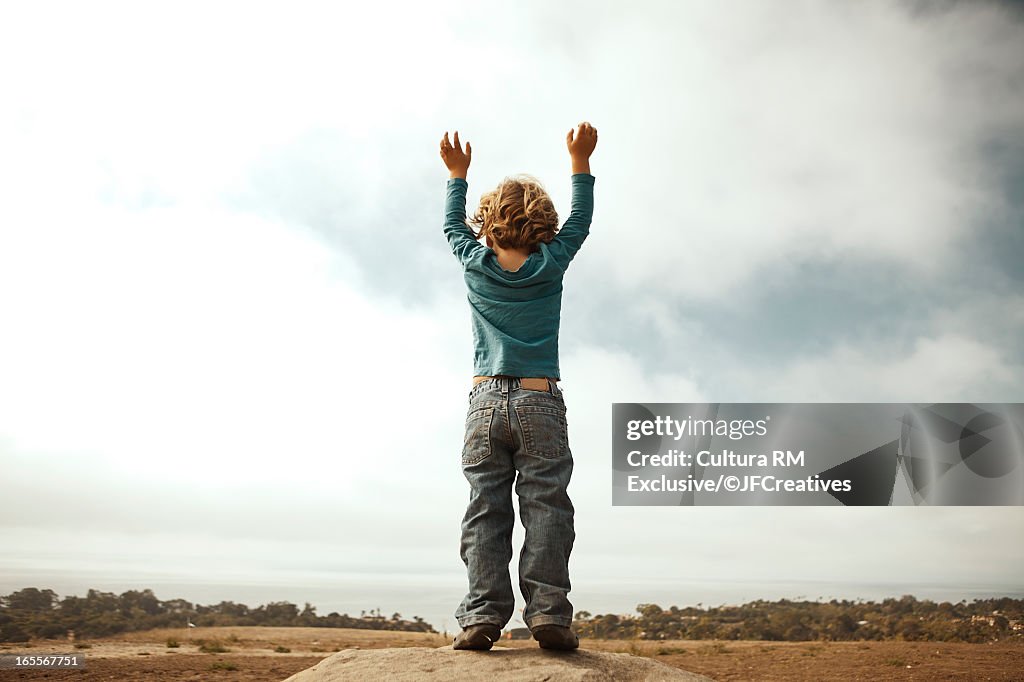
(518, 214)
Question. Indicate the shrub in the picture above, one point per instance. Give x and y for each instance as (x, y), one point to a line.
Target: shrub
(212, 647)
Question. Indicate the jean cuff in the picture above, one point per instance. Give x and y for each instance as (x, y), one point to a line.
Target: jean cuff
(549, 620)
(478, 620)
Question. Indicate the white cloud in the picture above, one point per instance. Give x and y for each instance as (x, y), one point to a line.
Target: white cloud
(947, 368)
(198, 345)
(757, 139)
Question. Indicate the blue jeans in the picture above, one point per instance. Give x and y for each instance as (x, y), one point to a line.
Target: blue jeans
(511, 430)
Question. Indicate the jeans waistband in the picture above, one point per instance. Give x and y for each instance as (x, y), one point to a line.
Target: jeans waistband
(506, 384)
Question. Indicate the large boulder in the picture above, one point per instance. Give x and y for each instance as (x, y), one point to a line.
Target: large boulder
(500, 664)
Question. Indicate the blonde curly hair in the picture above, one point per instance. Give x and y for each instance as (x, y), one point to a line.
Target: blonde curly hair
(517, 214)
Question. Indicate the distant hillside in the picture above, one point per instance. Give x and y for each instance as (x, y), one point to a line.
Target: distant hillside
(32, 612)
(906, 618)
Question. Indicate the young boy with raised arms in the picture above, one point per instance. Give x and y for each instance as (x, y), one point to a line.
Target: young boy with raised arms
(516, 428)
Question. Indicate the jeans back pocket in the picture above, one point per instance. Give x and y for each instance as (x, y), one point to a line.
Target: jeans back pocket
(545, 431)
(476, 446)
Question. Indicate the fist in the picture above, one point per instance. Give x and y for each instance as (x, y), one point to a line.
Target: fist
(581, 140)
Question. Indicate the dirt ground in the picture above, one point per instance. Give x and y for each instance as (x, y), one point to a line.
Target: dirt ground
(252, 655)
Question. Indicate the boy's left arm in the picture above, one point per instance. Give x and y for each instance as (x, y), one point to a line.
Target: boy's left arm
(460, 237)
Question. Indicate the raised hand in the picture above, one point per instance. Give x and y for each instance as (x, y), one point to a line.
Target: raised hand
(454, 158)
(581, 142)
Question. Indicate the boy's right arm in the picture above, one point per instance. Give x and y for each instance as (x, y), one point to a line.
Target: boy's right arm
(567, 242)
(577, 226)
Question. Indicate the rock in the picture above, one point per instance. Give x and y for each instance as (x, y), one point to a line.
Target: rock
(500, 664)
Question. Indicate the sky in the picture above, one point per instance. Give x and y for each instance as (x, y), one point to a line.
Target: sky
(235, 349)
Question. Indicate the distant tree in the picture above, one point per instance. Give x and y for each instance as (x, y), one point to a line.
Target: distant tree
(145, 601)
(178, 606)
(31, 599)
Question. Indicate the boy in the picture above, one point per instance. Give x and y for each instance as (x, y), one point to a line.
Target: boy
(516, 422)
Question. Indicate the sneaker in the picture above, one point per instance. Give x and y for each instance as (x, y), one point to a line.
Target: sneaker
(556, 637)
(480, 637)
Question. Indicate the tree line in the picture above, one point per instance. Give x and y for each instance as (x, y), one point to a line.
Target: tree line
(906, 618)
(34, 613)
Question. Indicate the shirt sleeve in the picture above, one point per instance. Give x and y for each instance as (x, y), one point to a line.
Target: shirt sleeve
(460, 237)
(577, 226)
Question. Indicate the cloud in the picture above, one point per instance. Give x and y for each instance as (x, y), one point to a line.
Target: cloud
(194, 344)
(829, 134)
(950, 368)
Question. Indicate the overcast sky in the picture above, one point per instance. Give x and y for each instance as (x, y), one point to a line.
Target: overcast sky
(235, 348)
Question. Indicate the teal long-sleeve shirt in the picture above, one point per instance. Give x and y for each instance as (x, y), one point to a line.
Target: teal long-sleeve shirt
(516, 315)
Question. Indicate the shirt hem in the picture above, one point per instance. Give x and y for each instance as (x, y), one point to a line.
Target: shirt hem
(485, 372)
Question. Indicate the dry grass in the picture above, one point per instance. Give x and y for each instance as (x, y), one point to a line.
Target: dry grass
(268, 654)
